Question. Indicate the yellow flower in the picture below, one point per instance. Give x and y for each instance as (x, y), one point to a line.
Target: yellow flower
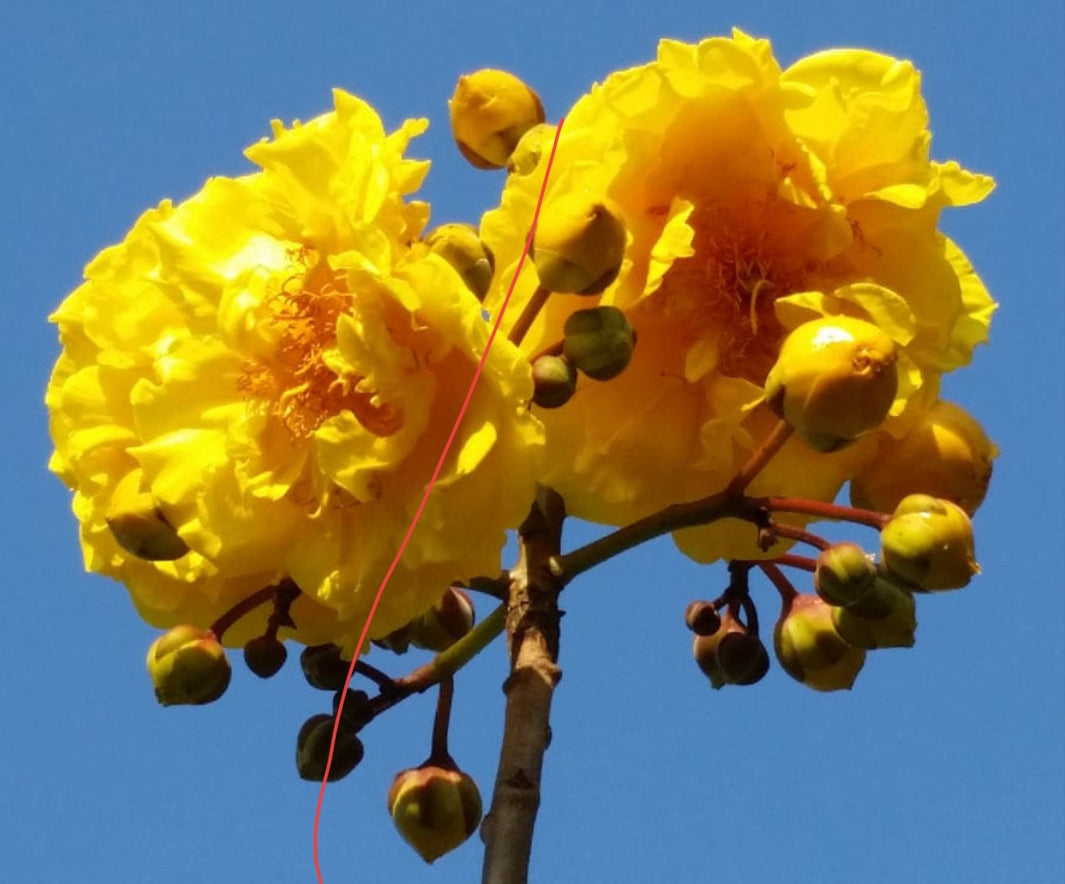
(756, 199)
(270, 370)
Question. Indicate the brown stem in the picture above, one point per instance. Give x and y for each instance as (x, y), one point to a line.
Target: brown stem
(803, 563)
(286, 590)
(383, 681)
(793, 533)
(782, 584)
(772, 443)
(439, 755)
(532, 308)
(871, 518)
(533, 639)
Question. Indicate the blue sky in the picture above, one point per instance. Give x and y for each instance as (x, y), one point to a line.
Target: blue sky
(946, 763)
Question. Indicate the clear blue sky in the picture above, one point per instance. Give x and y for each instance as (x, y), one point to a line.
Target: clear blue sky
(945, 764)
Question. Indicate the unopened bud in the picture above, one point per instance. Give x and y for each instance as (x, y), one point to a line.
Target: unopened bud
(490, 111)
(835, 380)
(929, 543)
(945, 453)
(138, 524)
(811, 650)
(265, 655)
(579, 245)
(188, 666)
(533, 146)
(844, 573)
(435, 809)
(731, 655)
(702, 618)
(462, 248)
(445, 622)
(599, 342)
(357, 711)
(554, 381)
(398, 641)
(312, 750)
(885, 617)
(324, 668)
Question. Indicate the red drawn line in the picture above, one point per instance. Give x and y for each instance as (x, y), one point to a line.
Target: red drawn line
(428, 491)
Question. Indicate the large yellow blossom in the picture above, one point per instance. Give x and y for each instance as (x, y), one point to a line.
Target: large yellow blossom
(278, 367)
(755, 198)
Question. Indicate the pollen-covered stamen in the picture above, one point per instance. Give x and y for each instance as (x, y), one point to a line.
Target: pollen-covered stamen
(727, 289)
(296, 384)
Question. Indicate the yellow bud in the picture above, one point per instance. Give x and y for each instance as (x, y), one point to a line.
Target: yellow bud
(461, 247)
(599, 342)
(434, 808)
(490, 111)
(554, 381)
(811, 650)
(534, 145)
(835, 379)
(188, 666)
(885, 617)
(139, 526)
(945, 453)
(844, 573)
(579, 244)
(929, 543)
(445, 622)
(312, 749)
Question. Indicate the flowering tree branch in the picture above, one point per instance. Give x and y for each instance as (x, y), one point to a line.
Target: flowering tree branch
(532, 640)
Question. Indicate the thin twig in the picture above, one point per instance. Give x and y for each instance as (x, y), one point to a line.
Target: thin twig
(532, 308)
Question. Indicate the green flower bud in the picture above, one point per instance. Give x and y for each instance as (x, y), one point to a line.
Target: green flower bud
(579, 245)
(490, 111)
(731, 655)
(811, 650)
(312, 750)
(462, 248)
(324, 668)
(554, 381)
(265, 655)
(945, 454)
(139, 526)
(885, 617)
(844, 573)
(929, 543)
(702, 618)
(357, 712)
(434, 808)
(599, 342)
(835, 380)
(534, 145)
(188, 666)
(445, 622)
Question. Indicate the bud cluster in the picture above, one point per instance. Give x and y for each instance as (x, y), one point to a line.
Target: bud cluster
(727, 650)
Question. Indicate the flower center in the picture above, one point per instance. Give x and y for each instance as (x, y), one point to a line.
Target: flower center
(300, 387)
(744, 260)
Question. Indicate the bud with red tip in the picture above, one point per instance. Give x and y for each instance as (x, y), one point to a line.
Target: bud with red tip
(435, 808)
(929, 543)
(188, 666)
(811, 650)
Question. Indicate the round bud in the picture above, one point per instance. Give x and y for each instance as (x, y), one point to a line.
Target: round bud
(324, 668)
(834, 380)
(929, 543)
(599, 342)
(188, 666)
(579, 245)
(357, 711)
(434, 808)
(885, 617)
(490, 111)
(138, 524)
(945, 454)
(534, 145)
(445, 622)
(554, 381)
(702, 618)
(731, 655)
(312, 750)
(461, 247)
(811, 650)
(844, 573)
(265, 655)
